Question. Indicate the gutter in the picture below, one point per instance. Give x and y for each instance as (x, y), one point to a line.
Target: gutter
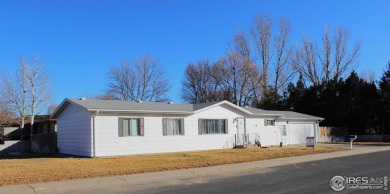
(142, 111)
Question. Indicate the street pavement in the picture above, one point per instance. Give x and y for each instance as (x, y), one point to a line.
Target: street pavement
(302, 174)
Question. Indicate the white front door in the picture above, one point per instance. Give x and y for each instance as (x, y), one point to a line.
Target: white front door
(284, 135)
(241, 133)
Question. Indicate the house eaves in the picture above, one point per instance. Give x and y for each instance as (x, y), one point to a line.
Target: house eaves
(141, 111)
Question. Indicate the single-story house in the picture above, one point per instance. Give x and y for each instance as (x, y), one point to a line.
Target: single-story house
(96, 128)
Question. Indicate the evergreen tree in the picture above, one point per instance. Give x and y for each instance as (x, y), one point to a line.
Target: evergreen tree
(295, 95)
(384, 86)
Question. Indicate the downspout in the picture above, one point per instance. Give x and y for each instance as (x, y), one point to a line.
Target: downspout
(246, 140)
(317, 131)
(93, 134)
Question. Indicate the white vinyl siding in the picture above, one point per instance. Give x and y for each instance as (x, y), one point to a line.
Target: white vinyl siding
(268, 135)
(75, 126)
(74, 131)
(109, 144)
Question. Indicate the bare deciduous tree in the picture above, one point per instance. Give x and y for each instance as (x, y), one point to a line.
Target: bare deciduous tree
(27, 91)
(275, 55)
(38, 87)
(261, 32)
(228, 79)
(6, 116)
(51, 109)
(237, 74)
(332, 60)
(324, 55)
(197, 82)
(282, 71)
(368, 76)
(305, 62)
(144, 80)
(16, 94)
(344, 60)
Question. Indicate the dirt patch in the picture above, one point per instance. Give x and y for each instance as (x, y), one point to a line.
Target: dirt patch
(49, 168)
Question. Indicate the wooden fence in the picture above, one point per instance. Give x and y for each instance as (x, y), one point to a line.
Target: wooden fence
(44, 143)
(373, 138)
(332, 134)
(9, 146)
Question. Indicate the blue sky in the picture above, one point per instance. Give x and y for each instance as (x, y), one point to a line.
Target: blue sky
(79, 41)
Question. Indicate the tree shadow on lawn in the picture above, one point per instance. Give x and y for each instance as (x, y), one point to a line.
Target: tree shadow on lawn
(17, 156)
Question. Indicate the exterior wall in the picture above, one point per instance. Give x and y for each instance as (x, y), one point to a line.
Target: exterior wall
(75, 125)
(299, 132)
(269, 135)
(108, 143)
(74, 131)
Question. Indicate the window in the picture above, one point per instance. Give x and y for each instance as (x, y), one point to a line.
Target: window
(173, 126)
(269, 122)
(213, 126)
(131, 127)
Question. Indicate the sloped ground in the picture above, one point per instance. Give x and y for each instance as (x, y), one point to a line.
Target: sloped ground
(48, 168)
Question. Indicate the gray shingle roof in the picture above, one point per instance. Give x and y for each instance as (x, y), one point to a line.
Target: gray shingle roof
(296, 115)
(92, 104)
(116, 105)
(283, 114)
(258, 111)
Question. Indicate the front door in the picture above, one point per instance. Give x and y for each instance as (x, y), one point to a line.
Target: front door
(241, 132)
(284, 135)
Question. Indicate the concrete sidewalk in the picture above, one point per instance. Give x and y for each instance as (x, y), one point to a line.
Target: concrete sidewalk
(185, 176)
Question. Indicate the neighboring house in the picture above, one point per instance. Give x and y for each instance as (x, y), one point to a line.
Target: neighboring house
(96, 128)
(42, 124)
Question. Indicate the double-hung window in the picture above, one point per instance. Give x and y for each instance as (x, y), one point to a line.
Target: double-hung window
(130, 127)
(173, 126)
(269, 122)
(213, 126)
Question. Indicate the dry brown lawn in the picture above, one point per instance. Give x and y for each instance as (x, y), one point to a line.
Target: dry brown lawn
(48, 168)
